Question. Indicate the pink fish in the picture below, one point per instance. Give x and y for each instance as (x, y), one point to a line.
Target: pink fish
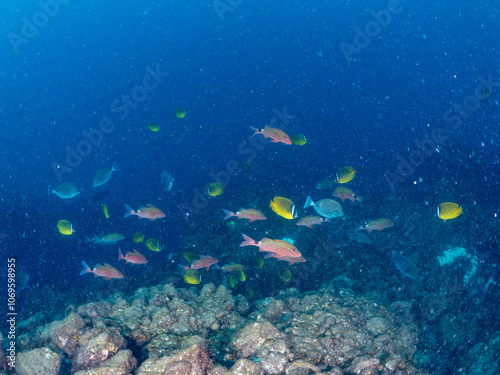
(148, 212)
(245, 213)
(106, 271)
(279, 248)
(134, 258)
(346, 193)
(292, 260)
(276, 135)
(205, 261)
(378, 224)
(309, 221)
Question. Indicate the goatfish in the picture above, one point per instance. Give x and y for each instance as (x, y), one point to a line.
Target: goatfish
(148, 212)
(205, 261)
(449, 210)
(309, 221)
(134, 258)
(345, 174)
(346, 193)
(284, 207)
(276, 135)
(245, 213)
(279, 248)
(106, 271)
(379, 224)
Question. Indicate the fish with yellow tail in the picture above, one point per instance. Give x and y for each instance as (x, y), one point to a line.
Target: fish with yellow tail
(276, 135)
(449, 210)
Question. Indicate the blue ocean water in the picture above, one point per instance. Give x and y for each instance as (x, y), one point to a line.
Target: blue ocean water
(231, 65)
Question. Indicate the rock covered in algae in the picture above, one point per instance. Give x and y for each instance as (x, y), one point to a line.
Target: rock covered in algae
(122, 363)
(63, 334)
(38, 361)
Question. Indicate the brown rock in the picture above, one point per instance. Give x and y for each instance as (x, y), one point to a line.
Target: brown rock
(253, 336)
(122, 363)
(38, 361)
(191, 361)
(245, 367)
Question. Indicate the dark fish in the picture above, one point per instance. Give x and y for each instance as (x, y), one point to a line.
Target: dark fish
(97, 197)
(405, 265)
(249, 168)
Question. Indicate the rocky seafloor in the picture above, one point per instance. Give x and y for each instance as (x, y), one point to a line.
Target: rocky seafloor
(207, 330)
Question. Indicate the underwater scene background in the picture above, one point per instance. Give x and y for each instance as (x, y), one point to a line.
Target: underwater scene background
(152, 103)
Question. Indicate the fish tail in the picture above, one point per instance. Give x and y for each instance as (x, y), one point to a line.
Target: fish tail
(248, 241)
(183, 268)
(257, 131)
(120, 255)
(114, 167)
(129, 212)
(86, 269)
(309, 202)
(228, 214)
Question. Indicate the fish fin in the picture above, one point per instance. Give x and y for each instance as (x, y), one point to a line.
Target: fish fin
(250, 220)
(343, 199)
(274, 140)
(228, 214)
(106, 265)
(184, 269)
(107, 278)
(120, 255)
(269, 255)
(207, 268)
(95, 275)
(369, 230)
(114, 167)
(248, 241)
(129, 212)
(309, 202)
(152, 219)
(257, 131)
(85, 269)
(309, 226)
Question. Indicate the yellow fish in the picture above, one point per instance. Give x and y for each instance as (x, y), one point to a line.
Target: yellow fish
(241, 275)
(286, 275)
(250, 293)
(449, 210)
(154, 245)
(153, 126)
(105, 211)
(65, 227)
(284, 207)
(180, 112)
(138, 237)
(230, 281)
(298, 139)
(258, 262)
(192, 277)
(345, 174)
(215, 189)
(189, 256)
